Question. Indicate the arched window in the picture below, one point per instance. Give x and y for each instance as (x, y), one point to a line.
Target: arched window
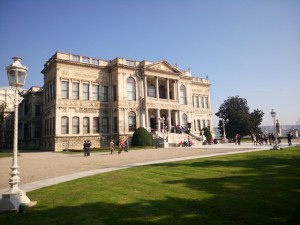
(182, 95)
(75, 125)
(151, 91)
(86, 125)
(162, 92)
(130, 89)
(132, 121)
(65, 125)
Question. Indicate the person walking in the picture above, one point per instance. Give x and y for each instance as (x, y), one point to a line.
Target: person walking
(85, 148)
(289, 139)
(88, 145)
(126, 145)
(121, 146)
(111, 146)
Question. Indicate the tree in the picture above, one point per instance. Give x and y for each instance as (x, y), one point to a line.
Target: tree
(141, 137)
(240, 120)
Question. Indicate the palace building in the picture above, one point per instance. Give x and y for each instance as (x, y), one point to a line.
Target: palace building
(86, 98)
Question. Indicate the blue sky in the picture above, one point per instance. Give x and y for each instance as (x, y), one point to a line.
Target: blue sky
(246, 48)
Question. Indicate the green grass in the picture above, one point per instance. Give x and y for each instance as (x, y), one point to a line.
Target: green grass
(259, 188)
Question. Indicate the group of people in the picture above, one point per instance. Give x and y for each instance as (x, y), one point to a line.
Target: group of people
(122, 145)
(186, 143)
(262, 139)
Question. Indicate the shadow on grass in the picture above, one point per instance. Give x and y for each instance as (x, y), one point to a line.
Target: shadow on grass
(260, 189)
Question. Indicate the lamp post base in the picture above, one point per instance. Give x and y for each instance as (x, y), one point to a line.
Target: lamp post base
(165, 144)
(10, 202)
(275, 147)
(224, 140)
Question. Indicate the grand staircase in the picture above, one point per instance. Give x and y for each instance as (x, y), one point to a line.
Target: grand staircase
(173, 139)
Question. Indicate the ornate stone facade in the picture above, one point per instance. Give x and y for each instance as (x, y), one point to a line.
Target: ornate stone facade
(88, 98)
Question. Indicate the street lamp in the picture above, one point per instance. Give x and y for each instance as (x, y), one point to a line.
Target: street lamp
(273, 114)
(14, 197)
(224, 133)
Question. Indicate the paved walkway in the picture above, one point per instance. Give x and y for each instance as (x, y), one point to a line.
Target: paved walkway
(44, 169)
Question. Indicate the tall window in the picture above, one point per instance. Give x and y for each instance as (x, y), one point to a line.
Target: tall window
(115, 124)
(162, 92)
(202, 102)
(86, 125)
(206, 102)
(37, 110)
(197, 101)
(65, 89)
(151, 91)
(104, 124)
(104, 93)
(130, 89)
(75, 125)
(115, 92)
(96, 125)
(132, 121)
(64, 125)
(85, 91)
(182, 95)
(75, 90)
(95, 92)
(199, 124)
(208, 124)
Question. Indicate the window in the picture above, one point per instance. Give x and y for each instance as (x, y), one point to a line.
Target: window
(75, 125)
(64, 125)
(105, 125)
(50, 132)
(206, 102)
(197, 101)
(85, 91)
(182, 95)
(96, 125)
(202, 102)
(104, 93)
(75, 90)
(115, 92)
(86, 125)
(130, 89)
(203, 123)
(95, 92)
(208, 124)
(151, 91)
(54, 90)
(64, 89)
(37, 110)
(115, 124)
(132, 121)
(162, 93)
(51, 92)
(37, 131)
(199, 124)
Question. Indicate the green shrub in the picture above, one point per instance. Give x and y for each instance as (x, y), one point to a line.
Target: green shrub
(207, 133)
(141, 137)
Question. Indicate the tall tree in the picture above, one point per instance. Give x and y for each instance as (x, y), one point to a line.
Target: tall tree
(240, 120)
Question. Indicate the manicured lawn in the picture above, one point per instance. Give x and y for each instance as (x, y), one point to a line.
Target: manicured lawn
(259, 188)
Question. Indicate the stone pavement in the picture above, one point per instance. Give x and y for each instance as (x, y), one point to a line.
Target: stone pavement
(42, 169)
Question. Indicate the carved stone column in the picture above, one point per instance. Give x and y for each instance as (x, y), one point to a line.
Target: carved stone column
(168, 89)
(157, 88)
